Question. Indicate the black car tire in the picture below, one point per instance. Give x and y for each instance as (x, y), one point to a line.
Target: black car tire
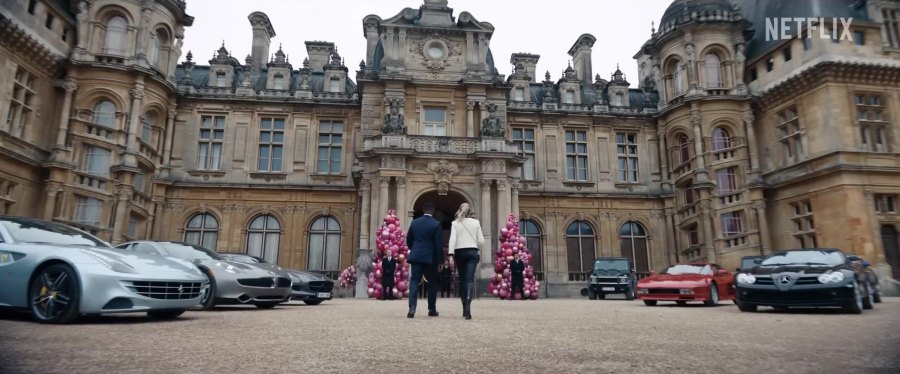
(209, 300)
(877, 296)
(312, 302)
(780, 308)
(266, 305)
(601, 295)
(745, 307)
(650, 302)
(855, 306)
(681, 303)
(61, 280)
(713, 295)
(869, 300)
(629, 294)
(592, 295)
(165, 313)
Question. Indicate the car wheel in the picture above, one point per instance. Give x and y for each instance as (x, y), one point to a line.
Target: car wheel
(681, 303)
(869, 300)
(265, 305)
(629, 295)
(877, 297)
(313, 302)
(601, 295)
(592, 295)
(745, 307)
(855, 306)
(208, 301)
(650, 302)
(165, 313)
(780, 308)
(713, 295)
(54, 294)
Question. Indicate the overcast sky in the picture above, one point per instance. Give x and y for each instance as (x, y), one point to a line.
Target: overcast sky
(546, 28)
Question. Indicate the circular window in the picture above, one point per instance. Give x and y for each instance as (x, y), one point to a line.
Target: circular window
(435, 51)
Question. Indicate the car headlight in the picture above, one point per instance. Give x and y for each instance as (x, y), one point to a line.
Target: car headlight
(643, 290)
(9, 257)
(686, 291)
(110, 263)
(623, 280)
(228, 267)
(746, 278)
(831, 277)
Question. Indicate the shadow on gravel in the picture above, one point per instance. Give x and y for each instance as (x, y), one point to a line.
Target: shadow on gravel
(108, 319)
(817, 311)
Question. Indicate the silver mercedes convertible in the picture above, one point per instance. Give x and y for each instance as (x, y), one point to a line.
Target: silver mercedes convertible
(60, 273)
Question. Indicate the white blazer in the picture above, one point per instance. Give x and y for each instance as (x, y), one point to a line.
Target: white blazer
(465, 234)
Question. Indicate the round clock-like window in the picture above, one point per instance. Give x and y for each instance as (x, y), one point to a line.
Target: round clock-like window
(435, 50)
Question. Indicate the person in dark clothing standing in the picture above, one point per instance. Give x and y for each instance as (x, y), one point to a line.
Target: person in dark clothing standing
(426, 252)
(446, 276)
(388, 266)
(517, 268)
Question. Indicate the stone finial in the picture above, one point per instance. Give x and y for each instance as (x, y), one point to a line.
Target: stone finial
(189, 57)
(248, 60)
(306, 62)
(547, 76)
(362, 64)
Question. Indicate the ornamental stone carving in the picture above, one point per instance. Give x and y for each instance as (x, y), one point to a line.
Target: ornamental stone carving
(436, 50)
(492, 127)
(393, 162)
(443, 172)
(493, 166)
(393, 121)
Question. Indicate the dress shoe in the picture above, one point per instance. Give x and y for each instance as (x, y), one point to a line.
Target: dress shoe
(411, 314)
(433, 313)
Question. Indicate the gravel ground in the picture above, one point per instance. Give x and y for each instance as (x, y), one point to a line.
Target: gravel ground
(553, 335)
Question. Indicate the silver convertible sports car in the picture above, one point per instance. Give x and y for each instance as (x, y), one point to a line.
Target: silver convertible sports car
(60, 273)
(312, 288)
(230, 282)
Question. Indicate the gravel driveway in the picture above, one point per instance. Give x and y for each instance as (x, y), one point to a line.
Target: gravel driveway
(544, 336)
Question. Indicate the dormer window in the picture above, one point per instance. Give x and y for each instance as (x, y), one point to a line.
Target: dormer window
(570, 97)
(520, 94)
(278, 82)
(619, 99)
(220, 79)
(335, 86)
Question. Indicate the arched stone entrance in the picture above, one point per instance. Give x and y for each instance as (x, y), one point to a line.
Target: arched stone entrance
(445, 207)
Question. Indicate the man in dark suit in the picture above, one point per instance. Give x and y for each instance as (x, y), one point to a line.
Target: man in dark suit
(425, 240)
(388, 266)
(446, 277)
(517, 268)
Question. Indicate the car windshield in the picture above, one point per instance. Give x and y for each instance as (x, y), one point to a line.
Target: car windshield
(688, 269)
(190, 252)
(750, 262)
(243, 258)
(814, 257)
(616, 265)
(38, 232)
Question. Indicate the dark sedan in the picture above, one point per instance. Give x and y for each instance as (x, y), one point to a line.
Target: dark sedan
(310, 287)
(804, 278)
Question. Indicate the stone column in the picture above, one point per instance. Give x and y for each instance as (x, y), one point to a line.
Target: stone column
(700, 164)
(485, 218)
(470, 119)
(364, 212)
(401, 200)
(155, 230)
(503, 201)
(50, 204)
(170, 135)
(70, 88)
(514, 188)
(751, 144)
(374, 215)
(663, 156)
(763, 226)
(121, 222)
(673, 245)
(709, 236)
(383, 195)
(131, 148)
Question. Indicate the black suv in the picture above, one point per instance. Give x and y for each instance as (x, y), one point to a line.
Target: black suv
(612, 275)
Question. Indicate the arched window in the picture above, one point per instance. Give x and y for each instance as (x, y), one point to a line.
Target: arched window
(532, 233)
(684, 148)
(633, 244)
(203, 230)
(324, 244)
(263, 238)
(713, 71)
(580, 247)
(147, 127)
(116, 35)
(104, 114)
(721, 140)
(677, 78)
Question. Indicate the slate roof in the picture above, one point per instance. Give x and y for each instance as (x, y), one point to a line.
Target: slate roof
(200, 79)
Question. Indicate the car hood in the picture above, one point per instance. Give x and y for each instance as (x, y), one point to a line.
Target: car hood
(673, 280)
(306, 276)
(245, 270)
(610, 273)
(140, 262)
(801, 269)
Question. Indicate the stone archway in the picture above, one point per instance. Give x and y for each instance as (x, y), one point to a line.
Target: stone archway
(445, 207)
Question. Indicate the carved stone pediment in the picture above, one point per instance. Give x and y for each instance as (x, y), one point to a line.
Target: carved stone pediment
(443, 172)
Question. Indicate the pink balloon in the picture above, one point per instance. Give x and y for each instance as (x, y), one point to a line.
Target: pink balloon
(496, 292)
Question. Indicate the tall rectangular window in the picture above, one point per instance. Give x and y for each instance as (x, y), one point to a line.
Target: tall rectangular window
(133, 227)
(619, 99)
(626, 150)
(786, 53)
(570, 97)
(220, 79)
(576, 155)
(519, 94)
(48, 23)
(524, 139)
(335, 86)
(21, 104)
(693, 235)
(32, 4)
(689, 193)
(791, 137)
(892, 26)
(139, 183)
(807, 44)
(732, 224)
(803, 224)
(88, 210)
(859, 38)
(873, 124)
(435, 122)
(885, 203)
(331, 140)
(278, 82)
(147, 128)
(212, 138)
(726, 179)
(96, 161)
(271, 143)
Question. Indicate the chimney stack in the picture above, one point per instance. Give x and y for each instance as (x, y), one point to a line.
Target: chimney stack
(262, 36)
(527, 60)
(319, 54)
(581, 57)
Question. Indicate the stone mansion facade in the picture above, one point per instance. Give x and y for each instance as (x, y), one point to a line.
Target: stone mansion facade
(729, 144)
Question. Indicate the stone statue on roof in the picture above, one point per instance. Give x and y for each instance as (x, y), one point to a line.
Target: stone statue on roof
(393, 121)
(492, 127)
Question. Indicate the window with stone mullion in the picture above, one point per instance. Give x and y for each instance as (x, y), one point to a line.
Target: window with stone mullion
(872, 122)
(21, 104)
(523, 138)
(626, 150)
(271, 144)
(212, 139)
(576, 155)
(331, 139)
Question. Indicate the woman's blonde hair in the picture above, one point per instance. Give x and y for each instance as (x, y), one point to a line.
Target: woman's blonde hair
(464, 211)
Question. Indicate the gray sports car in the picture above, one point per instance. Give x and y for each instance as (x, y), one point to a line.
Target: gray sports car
(231, 282)
(312, 288)
(59, 273)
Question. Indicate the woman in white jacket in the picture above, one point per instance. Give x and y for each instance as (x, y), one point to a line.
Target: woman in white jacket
(466, 240)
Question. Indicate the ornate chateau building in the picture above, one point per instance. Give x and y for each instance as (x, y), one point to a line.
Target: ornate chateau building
(728, 144)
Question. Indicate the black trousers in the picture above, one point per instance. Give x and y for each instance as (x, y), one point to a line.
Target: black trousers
(416, 271)
(517, 284)
(466, 262)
